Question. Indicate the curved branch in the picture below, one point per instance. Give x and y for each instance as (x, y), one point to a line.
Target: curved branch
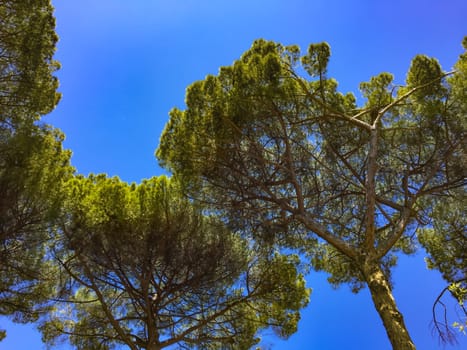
(445, 332)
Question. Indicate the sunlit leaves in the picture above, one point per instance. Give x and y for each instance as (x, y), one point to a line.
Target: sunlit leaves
(27, 42)
(378, 91)
(424, 74)
(316, 60)
(144, 267)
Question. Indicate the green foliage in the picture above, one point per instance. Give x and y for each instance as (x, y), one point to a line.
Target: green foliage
(445, 240)
(378, 91)
(27, 42)
(31, 173)
(424, 72)
(446, 244)
(317, 59)
(280, 162)
(32, 161)
(303, 167)
(142, 266)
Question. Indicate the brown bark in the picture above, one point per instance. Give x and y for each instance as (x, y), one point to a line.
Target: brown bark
(153, 347)
(385, 304)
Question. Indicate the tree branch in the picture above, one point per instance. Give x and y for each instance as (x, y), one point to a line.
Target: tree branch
(407, 94)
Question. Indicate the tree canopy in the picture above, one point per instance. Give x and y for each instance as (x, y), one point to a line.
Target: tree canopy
(27, 42)
(143, 267)
(272, 165)
(446, 243)
(305, 167)
(32, 161)
(104, 263)
(446, 239)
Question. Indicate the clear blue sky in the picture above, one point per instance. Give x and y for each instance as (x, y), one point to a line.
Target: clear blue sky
(125, 64)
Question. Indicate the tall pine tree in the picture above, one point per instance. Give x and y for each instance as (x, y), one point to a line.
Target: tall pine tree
(307, 168)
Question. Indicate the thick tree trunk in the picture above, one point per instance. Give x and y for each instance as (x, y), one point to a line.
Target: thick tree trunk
(387, 309)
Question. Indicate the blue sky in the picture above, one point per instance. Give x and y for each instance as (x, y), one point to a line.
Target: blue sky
(125, 64)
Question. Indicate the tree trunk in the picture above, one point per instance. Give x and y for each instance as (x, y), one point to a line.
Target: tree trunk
(153, 347)
(387, 309)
